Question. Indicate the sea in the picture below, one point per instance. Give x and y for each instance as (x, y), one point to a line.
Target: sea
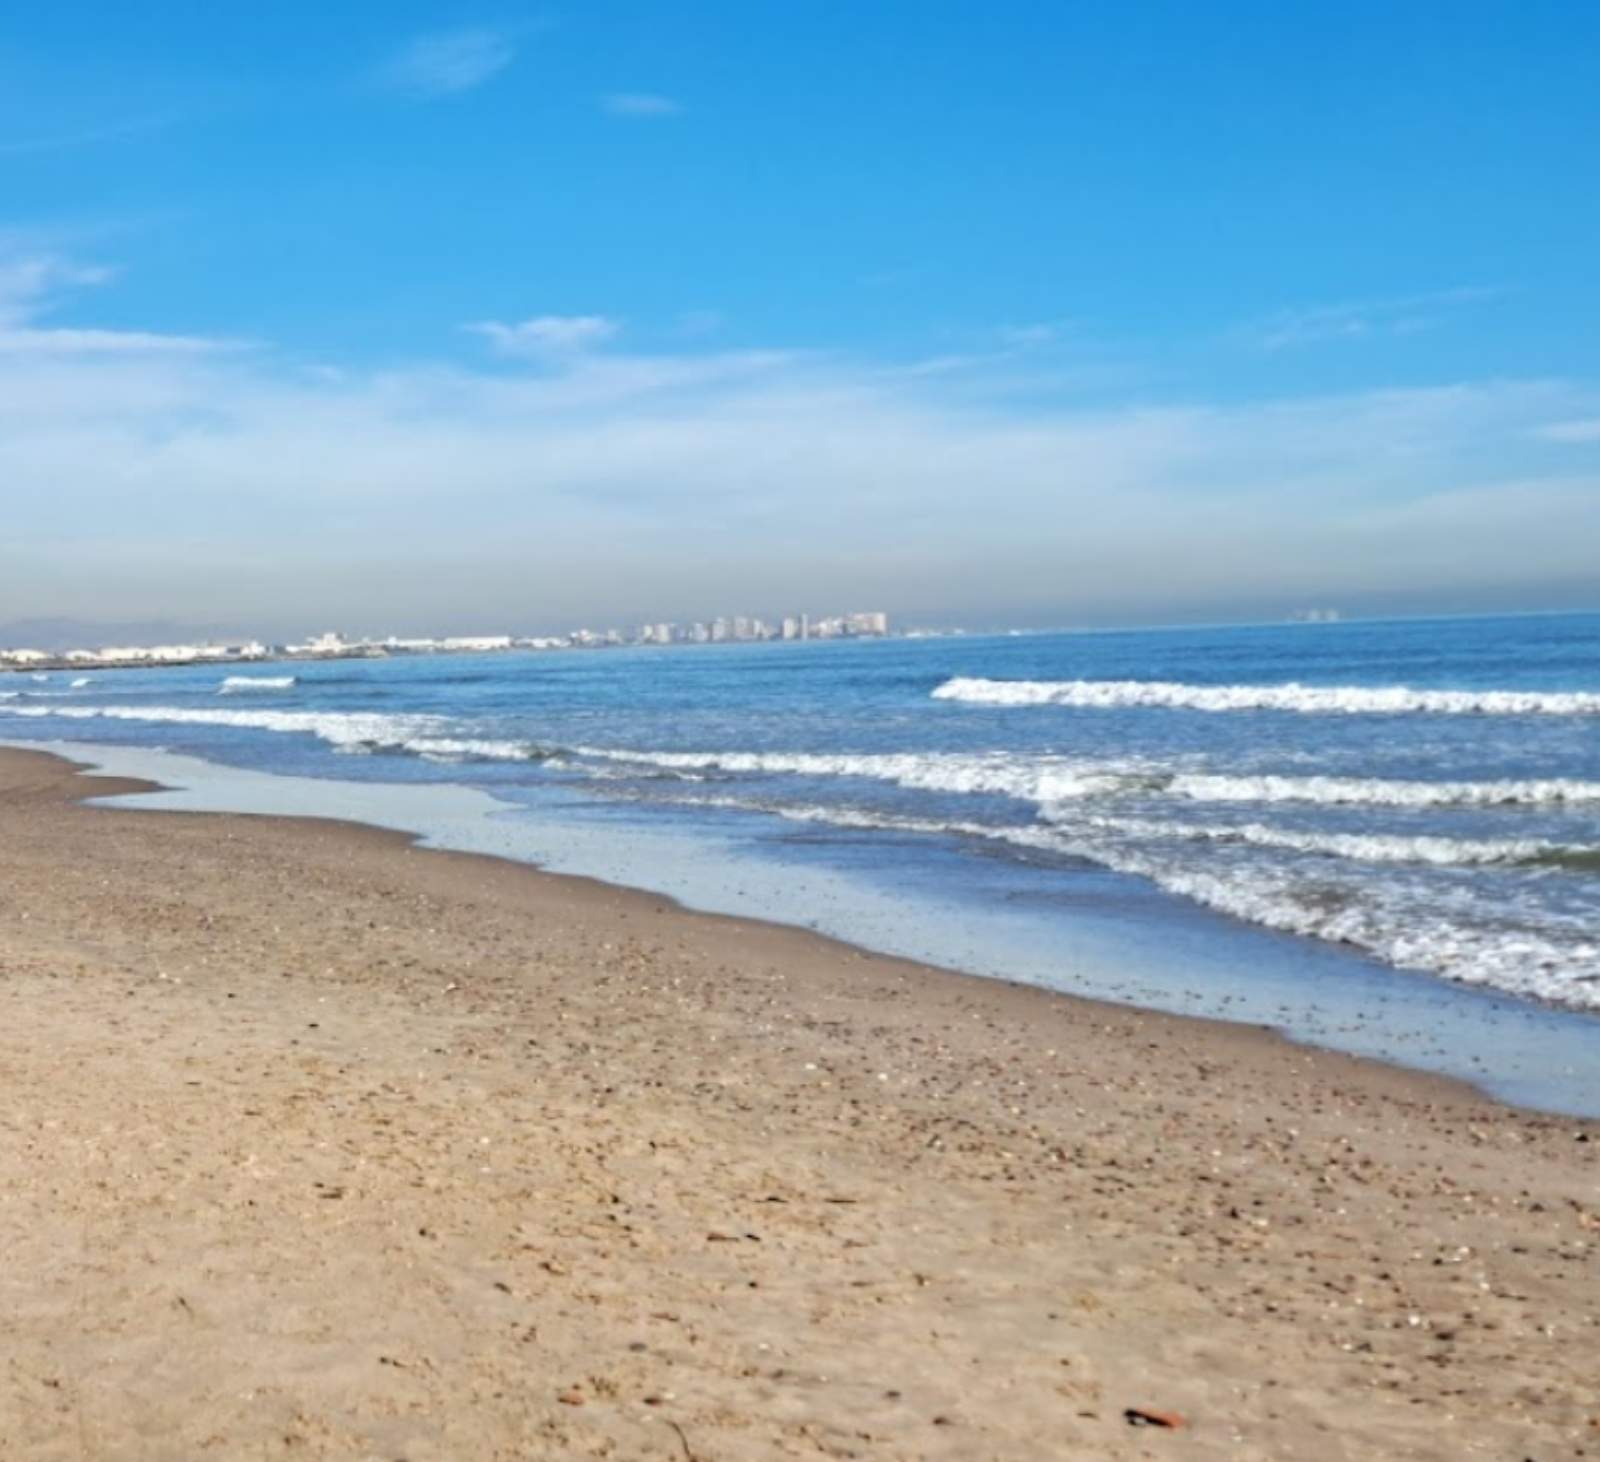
(1379, 836)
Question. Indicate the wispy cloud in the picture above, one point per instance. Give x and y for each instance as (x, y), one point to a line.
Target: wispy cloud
(642, 104)
(1362, 319)
(85, 137)
(31, 285)
(106, 342)
(1570, 432)
(547, 334)
(1023, 337)
(28, 281)
(448, 62)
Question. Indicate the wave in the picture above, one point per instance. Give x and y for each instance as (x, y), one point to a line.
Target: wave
(356, 732)
(349, 731)
(1394, 923)
(1400, 927)
(1045, 780)
(1028, 780)
(1437, 850)
(455, 749)
(1303, 699)
(1382, 792)
(1042, 781)
(1107, 812)
(80, 682)
(1057, 836)
(232, 684)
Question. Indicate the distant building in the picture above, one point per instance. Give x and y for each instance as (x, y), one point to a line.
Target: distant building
(475, 644)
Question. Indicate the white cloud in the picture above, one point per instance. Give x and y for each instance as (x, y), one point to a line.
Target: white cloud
(640, 104)
(105, 342)
(449, 62)
(1362, 320)
(197, 484)
(547, 334)
(30, 285)
(27, 282)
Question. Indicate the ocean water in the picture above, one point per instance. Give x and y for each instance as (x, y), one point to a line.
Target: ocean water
(1419, 797)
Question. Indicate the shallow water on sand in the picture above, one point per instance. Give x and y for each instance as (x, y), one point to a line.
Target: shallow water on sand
(1101, 934)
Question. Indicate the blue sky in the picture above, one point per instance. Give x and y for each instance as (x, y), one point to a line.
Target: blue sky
(1015, 309)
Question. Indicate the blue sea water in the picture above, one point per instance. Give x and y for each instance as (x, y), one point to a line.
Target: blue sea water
(1377, 810)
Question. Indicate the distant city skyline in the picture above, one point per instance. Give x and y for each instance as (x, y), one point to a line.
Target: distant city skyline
(995, 315)
(62, 646)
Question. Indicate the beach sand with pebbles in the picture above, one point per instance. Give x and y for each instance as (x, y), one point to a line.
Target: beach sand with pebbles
(316, 1145)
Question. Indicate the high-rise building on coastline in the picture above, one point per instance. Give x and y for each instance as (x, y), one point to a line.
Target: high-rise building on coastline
(725, 629)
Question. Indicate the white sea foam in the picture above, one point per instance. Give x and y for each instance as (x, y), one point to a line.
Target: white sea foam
(346, 731)
(1025, 778)
(80, 682)
(1381, 791)
(449, 748)
(1038, 780)
(233, 684)
(1405, 928)
(349, 731)
(1406, 925)
(1063, 821)
(1304, 699)
(1053, 779)
(1355, 847)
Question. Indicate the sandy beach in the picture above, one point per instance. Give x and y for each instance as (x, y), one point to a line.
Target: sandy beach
(313, 1144)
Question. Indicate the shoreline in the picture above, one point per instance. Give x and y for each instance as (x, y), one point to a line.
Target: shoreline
(318, 1144)
(1517, 1051)
(634, 900)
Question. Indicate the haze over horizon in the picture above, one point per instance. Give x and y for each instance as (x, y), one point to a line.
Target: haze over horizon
(382, 318)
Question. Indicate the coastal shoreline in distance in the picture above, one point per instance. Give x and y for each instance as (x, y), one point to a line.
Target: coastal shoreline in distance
(358, 1145)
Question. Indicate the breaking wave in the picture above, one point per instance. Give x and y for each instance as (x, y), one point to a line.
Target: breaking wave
(1057, 834)
(1383, 792)
(1355, 847)
(1037, 780)
(1393, 922)
(418, 734)
(233, 684)
(342, 730)
(1303, 699)
(1401, 926)
(1045, 779)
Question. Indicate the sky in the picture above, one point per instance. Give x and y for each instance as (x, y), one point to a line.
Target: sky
(416, 317)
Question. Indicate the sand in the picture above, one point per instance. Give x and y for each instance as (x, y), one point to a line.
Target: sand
(313, 1144)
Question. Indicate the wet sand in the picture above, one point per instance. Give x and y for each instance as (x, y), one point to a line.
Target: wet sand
(313, 1144)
